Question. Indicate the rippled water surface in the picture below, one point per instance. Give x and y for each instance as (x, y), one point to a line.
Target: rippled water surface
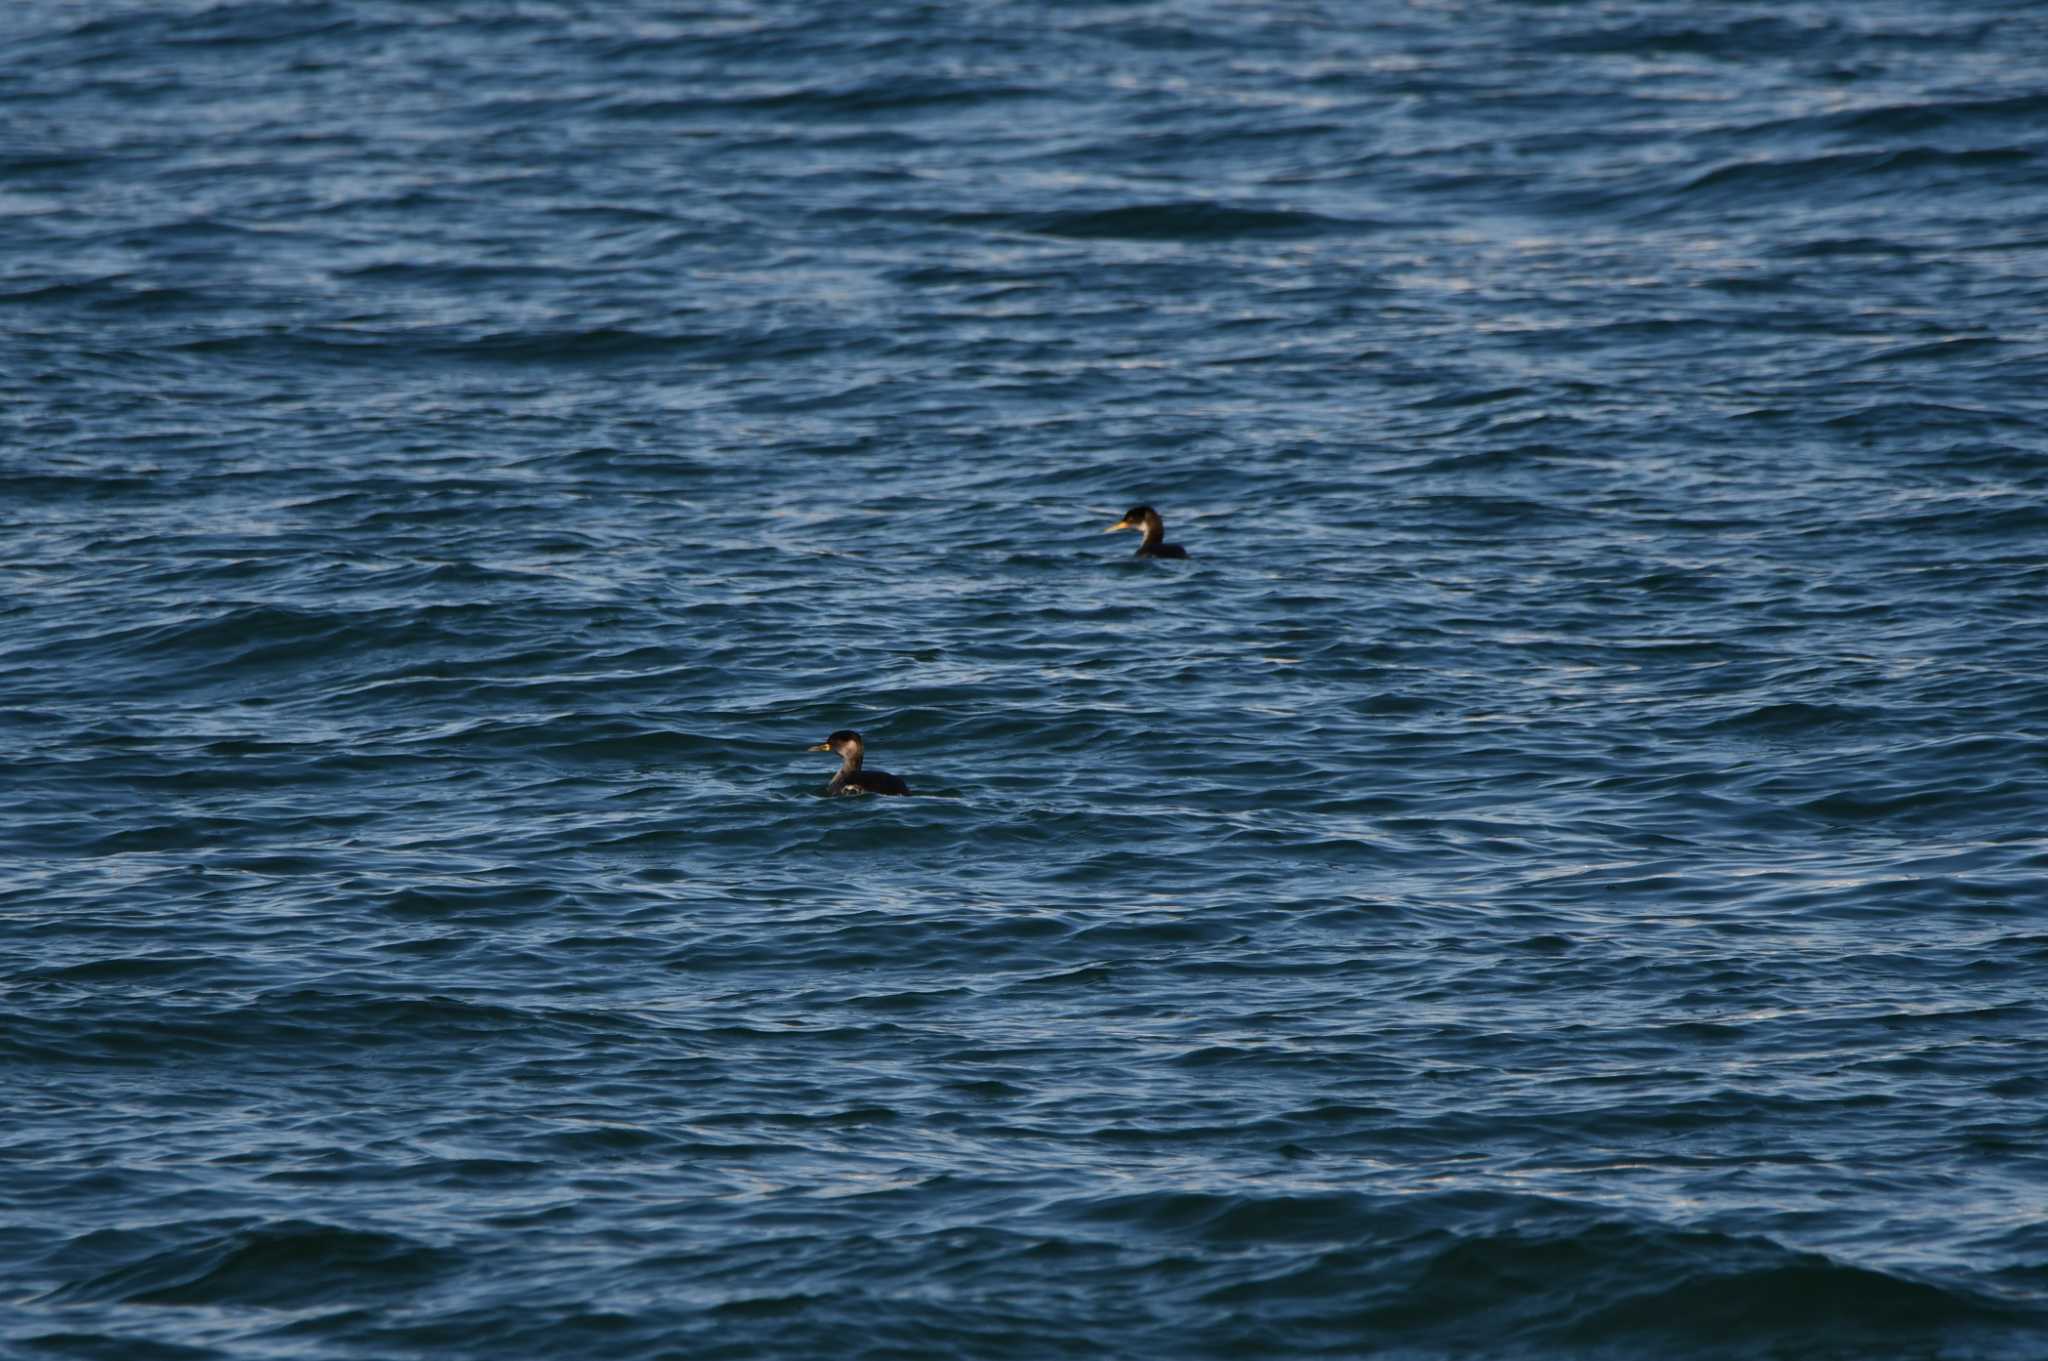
(1559, 871)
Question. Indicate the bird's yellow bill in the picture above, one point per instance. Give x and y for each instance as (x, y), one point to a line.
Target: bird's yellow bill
(1120, 524)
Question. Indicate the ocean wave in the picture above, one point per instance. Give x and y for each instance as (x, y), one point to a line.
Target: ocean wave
(1186, 221)
(291, 1263)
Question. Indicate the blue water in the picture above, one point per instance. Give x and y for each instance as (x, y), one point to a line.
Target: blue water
(1559, 872)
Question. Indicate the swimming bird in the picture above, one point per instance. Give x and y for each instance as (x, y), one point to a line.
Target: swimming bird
(847, 745)
(1147, 519)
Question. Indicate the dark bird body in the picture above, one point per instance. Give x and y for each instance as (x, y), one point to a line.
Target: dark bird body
(853, 778)
(1154, 545)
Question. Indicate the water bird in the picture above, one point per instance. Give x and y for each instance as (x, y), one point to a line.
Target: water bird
(847, 745)
(1155, 545)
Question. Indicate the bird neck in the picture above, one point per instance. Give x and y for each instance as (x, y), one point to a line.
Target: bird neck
(850, 761)
(1155, 533)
